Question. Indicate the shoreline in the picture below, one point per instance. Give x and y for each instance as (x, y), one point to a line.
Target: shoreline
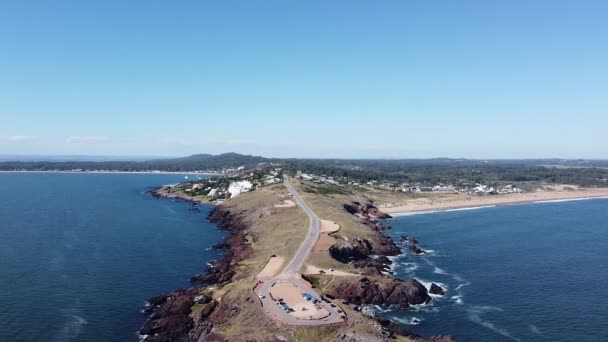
(160, 192)
(403, 210)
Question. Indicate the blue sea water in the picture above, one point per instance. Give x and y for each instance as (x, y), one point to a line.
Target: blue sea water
(534, 272)
(80, 253)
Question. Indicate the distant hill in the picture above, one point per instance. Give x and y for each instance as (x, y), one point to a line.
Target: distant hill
(191, 163)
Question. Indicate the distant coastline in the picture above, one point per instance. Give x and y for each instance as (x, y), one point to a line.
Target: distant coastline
(119, 172)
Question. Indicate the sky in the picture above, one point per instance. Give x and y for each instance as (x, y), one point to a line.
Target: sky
(350, 79)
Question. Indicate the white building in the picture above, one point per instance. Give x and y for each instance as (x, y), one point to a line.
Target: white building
(236, 188)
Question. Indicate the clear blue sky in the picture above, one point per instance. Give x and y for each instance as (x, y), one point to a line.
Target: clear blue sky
(478, 79)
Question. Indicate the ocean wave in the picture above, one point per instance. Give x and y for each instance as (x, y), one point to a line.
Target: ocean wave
(438, 270)
(470, 208)
(534, 329)
(378, 308)
(412, 213)
(407, 320)
(570, 199)
(457, 299)
(460, 286)
(434, 211)
(423, 307)
(410, 267)
(474, 315)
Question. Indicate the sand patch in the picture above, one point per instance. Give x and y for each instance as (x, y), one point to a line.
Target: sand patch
(273, 266)
(292, 296)
(310, 269)
(329, 226)
(285, 204)
(308, 310)
(325, 241)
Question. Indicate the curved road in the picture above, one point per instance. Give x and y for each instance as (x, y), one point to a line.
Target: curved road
(309, 242)
(290, 273)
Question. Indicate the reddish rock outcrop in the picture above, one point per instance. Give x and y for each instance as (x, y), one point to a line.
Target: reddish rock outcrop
(380, 291)
(171, 321)
(367, 214)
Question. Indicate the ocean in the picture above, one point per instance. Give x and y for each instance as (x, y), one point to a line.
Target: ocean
(80, 253)
(531, 272)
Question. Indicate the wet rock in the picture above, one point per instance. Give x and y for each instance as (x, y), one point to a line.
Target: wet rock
(442, 338)
(436, 290)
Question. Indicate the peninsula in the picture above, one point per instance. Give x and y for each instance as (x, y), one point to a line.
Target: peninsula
(306, 258)
(298, 266)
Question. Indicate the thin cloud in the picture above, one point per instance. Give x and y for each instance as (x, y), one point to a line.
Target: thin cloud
(199, 142)
(87, 140)
(21, 138)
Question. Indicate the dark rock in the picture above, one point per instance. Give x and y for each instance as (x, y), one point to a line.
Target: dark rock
(171, 321)
(380, 291)
(436, 290)
(442, 338)
(158, 300)
(395, 329)
(202, 299)
(351, 209)
(220, 245)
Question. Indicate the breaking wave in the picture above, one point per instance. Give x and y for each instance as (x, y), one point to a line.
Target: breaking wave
(474, 314)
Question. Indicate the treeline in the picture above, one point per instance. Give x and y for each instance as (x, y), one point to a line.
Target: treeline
(460, 173)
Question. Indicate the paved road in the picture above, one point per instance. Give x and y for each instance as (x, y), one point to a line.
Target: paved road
(290, 273)
(311, 238)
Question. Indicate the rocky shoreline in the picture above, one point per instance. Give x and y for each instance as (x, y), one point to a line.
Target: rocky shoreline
(165, 192)
(171, 316)
(172, 319)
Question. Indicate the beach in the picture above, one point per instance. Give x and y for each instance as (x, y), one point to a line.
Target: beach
(449, 201)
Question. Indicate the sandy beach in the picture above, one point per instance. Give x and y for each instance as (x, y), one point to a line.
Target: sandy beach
(437, 201)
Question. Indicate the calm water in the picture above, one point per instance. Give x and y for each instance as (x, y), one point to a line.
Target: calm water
(536, 272)
(79, 253)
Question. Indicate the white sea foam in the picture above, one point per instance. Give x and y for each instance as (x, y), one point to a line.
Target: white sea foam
(72, 328)
(534, 329)
(378, 308)
(410, 267)
(407, 320)
(474, 314)
(471, 208)
(466, 283)
(457, 299)
(570, 199)
(423, 307)
(438, 270)
(414, 213)
(423, 212)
